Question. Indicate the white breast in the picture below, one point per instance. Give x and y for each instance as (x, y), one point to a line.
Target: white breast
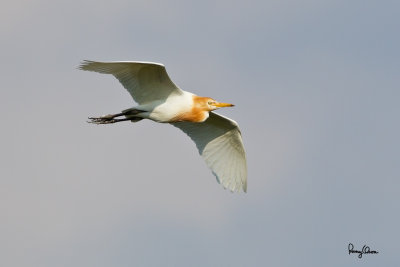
(165, 111)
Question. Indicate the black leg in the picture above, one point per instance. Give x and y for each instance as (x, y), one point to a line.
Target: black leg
(108, 120)
(111, 118)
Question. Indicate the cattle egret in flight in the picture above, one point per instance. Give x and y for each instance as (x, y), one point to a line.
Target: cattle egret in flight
(217, 138)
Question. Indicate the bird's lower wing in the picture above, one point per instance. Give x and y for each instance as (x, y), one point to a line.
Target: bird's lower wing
(145, 81)
(219, 142)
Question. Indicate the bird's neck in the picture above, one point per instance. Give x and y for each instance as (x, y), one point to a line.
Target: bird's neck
(196, 112)
(192, 116)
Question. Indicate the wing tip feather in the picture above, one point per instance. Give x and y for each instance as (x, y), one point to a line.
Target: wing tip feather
(86, 64)
(233, 187)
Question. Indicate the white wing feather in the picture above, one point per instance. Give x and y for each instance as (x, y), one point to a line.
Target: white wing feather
(219, 142)
(145, 81)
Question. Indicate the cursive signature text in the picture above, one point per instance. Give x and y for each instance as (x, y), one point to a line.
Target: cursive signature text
(365, 250)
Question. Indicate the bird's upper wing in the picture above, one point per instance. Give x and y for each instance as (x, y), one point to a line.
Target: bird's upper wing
(219, 142)
(145, 81)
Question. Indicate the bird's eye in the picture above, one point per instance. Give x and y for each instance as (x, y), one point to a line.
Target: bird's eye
(210, 102)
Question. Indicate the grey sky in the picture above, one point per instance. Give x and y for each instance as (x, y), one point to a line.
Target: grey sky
(316, 89)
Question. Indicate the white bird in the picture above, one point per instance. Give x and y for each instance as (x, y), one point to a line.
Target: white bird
(217, 138)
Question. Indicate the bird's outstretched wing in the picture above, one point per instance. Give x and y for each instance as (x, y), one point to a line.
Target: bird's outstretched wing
(145, 81)
(219, 142)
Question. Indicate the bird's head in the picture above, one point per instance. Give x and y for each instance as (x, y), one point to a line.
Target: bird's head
(210, 104)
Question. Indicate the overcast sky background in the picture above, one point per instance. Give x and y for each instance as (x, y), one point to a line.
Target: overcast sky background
(316, 89)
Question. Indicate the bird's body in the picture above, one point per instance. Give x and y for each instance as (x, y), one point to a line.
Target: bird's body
(217, 138)
(184, 107)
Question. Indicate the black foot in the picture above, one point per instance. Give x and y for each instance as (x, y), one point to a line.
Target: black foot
(101, 120)
(107, 119)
